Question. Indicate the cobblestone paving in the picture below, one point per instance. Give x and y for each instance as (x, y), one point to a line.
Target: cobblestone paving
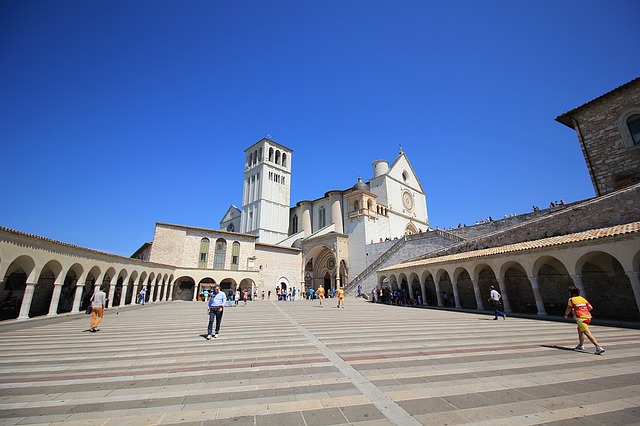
(292, 363)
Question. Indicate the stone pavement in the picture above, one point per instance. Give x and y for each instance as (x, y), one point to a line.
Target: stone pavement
(292, 363)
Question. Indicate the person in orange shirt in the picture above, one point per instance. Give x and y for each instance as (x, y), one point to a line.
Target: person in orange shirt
(340, 297)
(582, 314)
(320, 294)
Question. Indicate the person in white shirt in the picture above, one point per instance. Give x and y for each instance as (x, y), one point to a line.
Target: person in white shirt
(495, 299)
(215, 306)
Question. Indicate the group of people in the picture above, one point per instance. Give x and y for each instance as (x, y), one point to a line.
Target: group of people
(320, 294)
(216, 301)
(577, 304)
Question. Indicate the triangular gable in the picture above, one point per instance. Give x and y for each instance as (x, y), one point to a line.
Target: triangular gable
(400, 164)
(232, 213)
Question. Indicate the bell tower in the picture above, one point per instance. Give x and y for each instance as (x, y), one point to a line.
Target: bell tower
(267, 191)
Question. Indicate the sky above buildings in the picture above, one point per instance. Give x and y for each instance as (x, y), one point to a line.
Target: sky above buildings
(115, 115)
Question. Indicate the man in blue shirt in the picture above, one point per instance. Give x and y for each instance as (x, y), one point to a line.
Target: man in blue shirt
(214, 309)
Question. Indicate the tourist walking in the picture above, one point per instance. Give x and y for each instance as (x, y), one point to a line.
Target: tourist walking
(341, 297)
(320, 294)
(142, 295)
(495, 299)
(582, 314)
(215, 307)
(98, 304)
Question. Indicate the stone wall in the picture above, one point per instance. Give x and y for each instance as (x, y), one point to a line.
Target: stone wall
(612, 163)
(622, 206)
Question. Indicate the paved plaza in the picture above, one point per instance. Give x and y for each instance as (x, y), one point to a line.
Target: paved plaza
(293, 363)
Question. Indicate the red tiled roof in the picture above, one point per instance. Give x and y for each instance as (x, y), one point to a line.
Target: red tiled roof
(592, 234)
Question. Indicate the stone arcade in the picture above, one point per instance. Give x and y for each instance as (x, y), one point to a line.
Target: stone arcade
(375, 233)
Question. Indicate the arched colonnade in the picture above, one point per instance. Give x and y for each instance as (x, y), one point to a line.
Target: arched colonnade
(532, 277)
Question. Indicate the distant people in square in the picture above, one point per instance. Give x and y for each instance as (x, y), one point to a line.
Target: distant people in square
(311, 294)
(245, 296)
(445, 298)
(359, 290)
(236, 297)
(263, 294)
(495, 299)
(142, 295)
(206, 295)
(320, 294)
(215, 307)
(98, 305)
(582, 314)
(341, 297)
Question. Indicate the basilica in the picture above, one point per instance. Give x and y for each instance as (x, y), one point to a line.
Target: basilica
(374, 234)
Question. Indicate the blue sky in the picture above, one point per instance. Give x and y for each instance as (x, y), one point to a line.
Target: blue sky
(115, 115)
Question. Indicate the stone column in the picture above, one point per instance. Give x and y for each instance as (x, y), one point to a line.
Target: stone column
(196, 291)
(77, 299)
(55, 299)
(152, 292)
(537, 295)
(111, 295)
(456, 295)
(476, 293)
(170, 294)
(635, 286)
(336, 211)
(577, 281)
(438, 295)
(26, 301)
(423, 289)
(505, 296)
(410, 286)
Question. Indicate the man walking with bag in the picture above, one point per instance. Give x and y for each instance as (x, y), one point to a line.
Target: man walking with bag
(496, 300)
(215, 306)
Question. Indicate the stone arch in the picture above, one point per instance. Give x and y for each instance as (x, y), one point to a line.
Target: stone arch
(43, 291)
(466, 293)
(517, 284)
(207, 284)
(416, 289)
(553, 280)
(486, 277)
(68, 291)
(607, 287)
(410, 229)
(430, 297)
(184, 288)
(89, 284)
(131, 286)
(446, 288)
(14, 286)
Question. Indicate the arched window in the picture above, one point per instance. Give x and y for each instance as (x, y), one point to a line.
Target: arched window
(356, 206)
(260, 154)
(633, 123)
(294, 226)
(284, 159)
(629, 126)
(235, 255)
(220, 254)
(270, 154)
(322, 217)
(278, 157)
(250, 160)
(369, 204)
(204, 253)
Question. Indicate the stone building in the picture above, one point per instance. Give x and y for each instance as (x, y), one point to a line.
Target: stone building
(373, 234)
(593, 244)
(608, 129)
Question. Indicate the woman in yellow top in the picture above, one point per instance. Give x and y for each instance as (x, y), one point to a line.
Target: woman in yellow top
(320, 294)
(581, 313)
(340, 297)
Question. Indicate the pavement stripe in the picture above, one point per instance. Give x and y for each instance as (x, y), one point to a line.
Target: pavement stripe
(386, 405)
